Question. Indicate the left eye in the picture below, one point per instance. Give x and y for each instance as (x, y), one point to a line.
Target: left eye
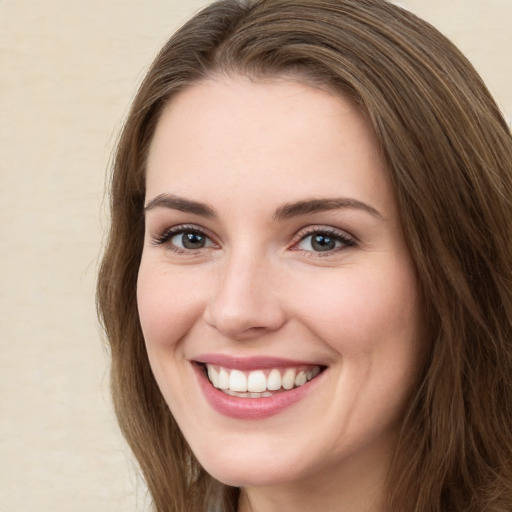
(323, 242)
(190, 240)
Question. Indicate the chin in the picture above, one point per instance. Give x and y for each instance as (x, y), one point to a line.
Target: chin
(255, 465)
(250, 475)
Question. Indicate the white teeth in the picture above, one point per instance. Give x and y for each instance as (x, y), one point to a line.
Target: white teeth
(288, 378)
(213, 375)
(223, 379)
(247, 394)
(300, 379)
(273, 380)
(237, 381)
(259, 383)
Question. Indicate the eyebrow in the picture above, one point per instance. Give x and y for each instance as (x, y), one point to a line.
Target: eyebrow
(284, 212)
(181, 204)
(321, 205)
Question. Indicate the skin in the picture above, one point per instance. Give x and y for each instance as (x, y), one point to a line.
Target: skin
(258, 287)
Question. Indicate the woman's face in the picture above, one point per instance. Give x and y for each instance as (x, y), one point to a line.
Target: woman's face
(274, 260)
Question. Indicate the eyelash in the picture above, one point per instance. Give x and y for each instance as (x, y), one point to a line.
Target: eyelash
(337, 235)
(343, 238)
(168, 234)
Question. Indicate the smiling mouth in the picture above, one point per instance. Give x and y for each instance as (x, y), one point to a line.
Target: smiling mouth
(260, 383)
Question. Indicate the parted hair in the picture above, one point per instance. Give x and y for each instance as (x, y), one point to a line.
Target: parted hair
(449, 156)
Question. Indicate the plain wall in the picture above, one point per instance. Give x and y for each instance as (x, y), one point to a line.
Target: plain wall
(67, 72)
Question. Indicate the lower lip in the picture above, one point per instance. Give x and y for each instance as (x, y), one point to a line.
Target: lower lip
(251, 408)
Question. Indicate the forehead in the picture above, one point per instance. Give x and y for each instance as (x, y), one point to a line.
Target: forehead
(231, 136)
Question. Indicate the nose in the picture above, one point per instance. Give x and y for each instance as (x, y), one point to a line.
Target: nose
(245, 303)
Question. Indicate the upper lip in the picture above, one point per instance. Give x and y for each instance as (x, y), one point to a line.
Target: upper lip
(250, 363)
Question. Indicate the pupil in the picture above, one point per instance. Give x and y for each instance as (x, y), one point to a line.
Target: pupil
(323, 243)
(192, 241)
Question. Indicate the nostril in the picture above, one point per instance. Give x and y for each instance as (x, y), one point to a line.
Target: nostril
(243, 326)
(242, 304)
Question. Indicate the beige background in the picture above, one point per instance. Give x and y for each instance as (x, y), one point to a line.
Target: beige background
(67, 72)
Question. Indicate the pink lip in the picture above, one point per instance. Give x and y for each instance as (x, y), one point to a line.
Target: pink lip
(251, 408)
(250, 363)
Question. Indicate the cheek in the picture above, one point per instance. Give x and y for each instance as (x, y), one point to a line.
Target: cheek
(168, 304)
(363, 310)
(371, 320)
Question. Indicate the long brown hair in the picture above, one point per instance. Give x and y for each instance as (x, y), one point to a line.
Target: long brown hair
(449, 156)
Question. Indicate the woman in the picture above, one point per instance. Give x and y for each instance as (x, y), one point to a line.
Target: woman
(307, 287)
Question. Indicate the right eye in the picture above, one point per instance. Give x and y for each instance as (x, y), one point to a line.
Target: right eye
(190, 240)
(184, 239)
